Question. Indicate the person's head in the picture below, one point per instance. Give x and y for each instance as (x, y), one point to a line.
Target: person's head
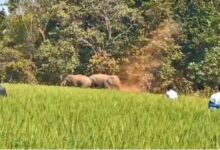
(169, 87)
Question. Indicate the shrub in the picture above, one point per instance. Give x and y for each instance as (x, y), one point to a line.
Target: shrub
(15, 67)
(103, 62)
(52, 60)
(21, 71)
(207, 71)
(211, 67)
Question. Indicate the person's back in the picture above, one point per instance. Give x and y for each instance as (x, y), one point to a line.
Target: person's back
(215, 100)
(171, 94)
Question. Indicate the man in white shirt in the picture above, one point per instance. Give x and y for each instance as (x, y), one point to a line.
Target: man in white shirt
(171, 94)
(214, 102)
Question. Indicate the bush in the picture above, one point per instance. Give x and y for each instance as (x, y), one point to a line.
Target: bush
(211, 67)
(15, 67)
(52, 60)
(102, 62)
(171, 70)
(21, 71)
(207, 71)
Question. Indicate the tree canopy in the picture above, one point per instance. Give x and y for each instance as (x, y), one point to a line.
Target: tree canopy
(148, 43)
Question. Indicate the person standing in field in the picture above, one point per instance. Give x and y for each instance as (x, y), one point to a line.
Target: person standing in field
(171, 93)
(2, 90)
(214, 102)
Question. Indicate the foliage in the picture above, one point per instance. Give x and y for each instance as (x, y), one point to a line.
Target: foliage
(120, 28)
(102, 62)
(170, 69)
(15, 67)
(21, 71)
(201, 34)
(207, 72)
(54, 60)
(211, 67)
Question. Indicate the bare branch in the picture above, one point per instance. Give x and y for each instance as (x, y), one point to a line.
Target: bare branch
(87, 43)
(121, 34)
(42, 34)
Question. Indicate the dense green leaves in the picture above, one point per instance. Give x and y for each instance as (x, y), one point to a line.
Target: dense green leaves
(54, 60)
(102, 62)
(65, 36)
(200, 22)
(15, 68)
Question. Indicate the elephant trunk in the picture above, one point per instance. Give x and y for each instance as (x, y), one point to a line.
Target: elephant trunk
(63, 83)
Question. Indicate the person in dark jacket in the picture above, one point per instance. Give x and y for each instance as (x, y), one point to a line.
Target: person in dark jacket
(3, 91)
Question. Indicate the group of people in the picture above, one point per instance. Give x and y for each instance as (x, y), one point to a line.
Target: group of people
(214, 102)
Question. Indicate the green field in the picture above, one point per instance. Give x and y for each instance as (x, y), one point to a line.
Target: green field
(61, 117)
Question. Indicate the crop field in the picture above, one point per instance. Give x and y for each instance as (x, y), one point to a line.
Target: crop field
(34, 116)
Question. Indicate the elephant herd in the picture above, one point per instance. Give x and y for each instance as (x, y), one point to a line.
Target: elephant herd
(93, 81)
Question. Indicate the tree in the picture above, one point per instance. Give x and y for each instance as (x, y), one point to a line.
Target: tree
(53, 60)
(200, 22)
(15, 68)
(108, 25)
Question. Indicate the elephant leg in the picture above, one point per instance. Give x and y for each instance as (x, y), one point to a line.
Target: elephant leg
(84, 85)
(107, 85)
(117, 87)
(98, 86)
(93, 85)
(63, 83)
(79, 84)
(74, 83)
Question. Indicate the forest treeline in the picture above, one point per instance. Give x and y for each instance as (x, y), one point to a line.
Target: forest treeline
(148, 43)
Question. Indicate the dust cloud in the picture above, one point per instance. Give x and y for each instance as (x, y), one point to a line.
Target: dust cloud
(138, 75)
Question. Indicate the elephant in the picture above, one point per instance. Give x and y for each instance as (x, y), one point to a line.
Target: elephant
(3, 91)
(113, 82)
(98, 80)
(76, 81)
(105, 81)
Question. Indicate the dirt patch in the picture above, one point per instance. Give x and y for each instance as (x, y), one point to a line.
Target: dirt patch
(129, 88)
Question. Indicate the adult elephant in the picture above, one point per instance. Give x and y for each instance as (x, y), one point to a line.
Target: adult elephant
(113, 82)
(3, 91)
(76, 81)
(105, 81)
